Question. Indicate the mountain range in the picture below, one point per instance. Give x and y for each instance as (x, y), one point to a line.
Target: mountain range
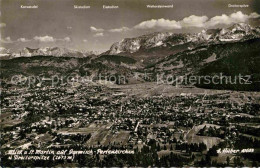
(46, 51)
(152, 47)
(228, 51)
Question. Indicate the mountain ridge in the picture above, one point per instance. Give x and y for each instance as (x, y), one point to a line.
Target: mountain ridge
(47, 51)
(150, 48)
(205, 54)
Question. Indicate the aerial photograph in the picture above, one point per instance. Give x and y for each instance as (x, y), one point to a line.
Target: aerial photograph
(130, 83)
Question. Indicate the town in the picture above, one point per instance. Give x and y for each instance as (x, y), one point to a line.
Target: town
(184, 129)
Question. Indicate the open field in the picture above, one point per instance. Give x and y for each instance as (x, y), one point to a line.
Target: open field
(6, 121)
(191, 136)
(149, 89)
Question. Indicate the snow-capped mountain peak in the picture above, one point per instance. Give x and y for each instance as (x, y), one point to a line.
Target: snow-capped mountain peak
(4, 52)
(46, 51)
(236, 32)
(53, 51)
(240, 27)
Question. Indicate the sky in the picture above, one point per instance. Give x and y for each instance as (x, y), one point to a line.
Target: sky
(57, 23)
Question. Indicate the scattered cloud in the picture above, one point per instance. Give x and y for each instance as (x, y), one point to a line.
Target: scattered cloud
(193, 21)
(99, 35)
(36, 38)
(6, 40)
(47, 39)
(254, 15)
(2, 25)
(188, 22)
(69, 27)
(85, 41)
(95, 30)
(237, 17)
(44, 38)
(23, 40)
(2, 48)
(119, 30)
(159, 23)
(66, 39)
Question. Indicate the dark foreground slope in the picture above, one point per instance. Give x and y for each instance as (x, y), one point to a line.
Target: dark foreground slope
(233, 60)
(238, 59)
(49, 66)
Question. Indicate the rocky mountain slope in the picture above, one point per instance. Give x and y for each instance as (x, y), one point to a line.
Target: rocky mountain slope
(152, 47)
(5, 53)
